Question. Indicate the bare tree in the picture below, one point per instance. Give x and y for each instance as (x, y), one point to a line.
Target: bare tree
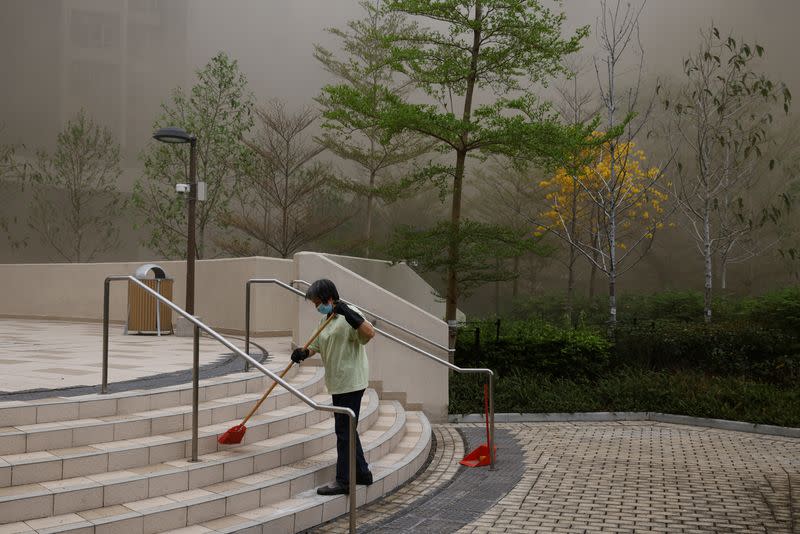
(614, 188)
(285, 195)
(577, 106)
(75, 199)
(721, 116)
(504, 193)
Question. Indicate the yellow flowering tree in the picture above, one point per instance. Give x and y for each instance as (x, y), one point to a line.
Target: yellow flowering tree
(607, 204)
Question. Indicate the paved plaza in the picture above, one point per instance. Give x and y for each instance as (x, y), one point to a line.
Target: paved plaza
(602, 477)
(626, 476)
(59, 354)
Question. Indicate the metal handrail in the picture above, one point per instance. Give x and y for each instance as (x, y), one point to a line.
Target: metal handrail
(387, 321)
(428, 355)
(199, 325)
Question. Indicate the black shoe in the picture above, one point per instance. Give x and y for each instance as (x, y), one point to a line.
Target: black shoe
(364, 479)
(334, 489)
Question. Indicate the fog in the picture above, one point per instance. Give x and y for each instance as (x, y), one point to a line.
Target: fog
(119, 59)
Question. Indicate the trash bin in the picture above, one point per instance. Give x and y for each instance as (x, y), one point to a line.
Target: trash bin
(145, 314)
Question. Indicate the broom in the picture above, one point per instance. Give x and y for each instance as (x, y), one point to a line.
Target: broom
(235, 434)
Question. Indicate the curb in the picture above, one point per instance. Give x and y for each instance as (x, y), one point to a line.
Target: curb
(721, 424)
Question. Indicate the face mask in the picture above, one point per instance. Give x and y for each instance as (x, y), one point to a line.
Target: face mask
(325, 309)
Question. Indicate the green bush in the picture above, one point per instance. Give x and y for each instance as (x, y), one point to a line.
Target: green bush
(634, 390)
(534, 346)
(744, 349)
(779, 310)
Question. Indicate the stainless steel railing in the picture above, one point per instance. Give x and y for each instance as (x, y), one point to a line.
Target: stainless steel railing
(387, 321)
(198, 325)
(428, 355)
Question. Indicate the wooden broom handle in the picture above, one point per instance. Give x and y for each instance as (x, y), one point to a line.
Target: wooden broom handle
(264, 397)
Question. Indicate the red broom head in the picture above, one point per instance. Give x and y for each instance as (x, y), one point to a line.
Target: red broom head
(233, 435)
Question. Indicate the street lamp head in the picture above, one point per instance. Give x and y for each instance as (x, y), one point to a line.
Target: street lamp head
(171, 134)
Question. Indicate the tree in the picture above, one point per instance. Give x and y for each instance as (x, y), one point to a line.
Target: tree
(357, 137)
(286, 196)
(12, 175)
(577, 197)
(218, 112)
(721, 116)
(609, 173)
(577, 106)
(504, 195)
(484, 251)
(483, 45)
(76, 202)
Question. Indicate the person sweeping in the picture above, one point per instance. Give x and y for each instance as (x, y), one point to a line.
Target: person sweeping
(341, 347)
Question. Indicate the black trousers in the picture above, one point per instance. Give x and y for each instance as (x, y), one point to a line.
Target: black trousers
(350, 400)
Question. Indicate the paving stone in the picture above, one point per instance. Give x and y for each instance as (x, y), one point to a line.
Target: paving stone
(600, 477)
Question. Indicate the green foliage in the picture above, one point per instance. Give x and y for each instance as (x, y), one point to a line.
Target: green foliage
(745, 366)
(494, 45)
(12, 180)
(636, 390)
(536, 347)
(356, 136)
(75, 198)
(778, 310)
(741, 348)
(482, 247)
(218, 112)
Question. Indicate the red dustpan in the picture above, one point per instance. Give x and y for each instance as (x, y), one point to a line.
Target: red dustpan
(480, 456)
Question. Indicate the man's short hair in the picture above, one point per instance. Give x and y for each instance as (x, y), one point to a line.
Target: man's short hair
(323, 289)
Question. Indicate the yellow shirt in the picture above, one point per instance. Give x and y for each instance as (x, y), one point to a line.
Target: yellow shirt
(343, 355)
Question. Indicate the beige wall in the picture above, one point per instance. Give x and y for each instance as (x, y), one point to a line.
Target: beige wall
(398, 278)
(402, 371)
(75, 291)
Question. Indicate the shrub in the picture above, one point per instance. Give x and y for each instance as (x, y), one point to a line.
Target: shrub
(535, 346)
(634, 390)
(730, 348)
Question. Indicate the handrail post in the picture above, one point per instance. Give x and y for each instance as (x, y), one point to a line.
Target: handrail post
(247, 324)
(195, 390)
(491, 444)
(352, 454)
(106, 296)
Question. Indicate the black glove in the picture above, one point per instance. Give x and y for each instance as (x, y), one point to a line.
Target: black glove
(352, 318)
(299, 354)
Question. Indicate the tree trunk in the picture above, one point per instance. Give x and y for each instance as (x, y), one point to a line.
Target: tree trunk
(572, 256)
(458, 179)
(368, 228)
(707, 263)
(594, 239)
(612, 271)
(497, 291)
(455, 222)
(515, 283)
(723, 275)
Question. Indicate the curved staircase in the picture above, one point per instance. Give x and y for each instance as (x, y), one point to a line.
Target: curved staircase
(118, 462)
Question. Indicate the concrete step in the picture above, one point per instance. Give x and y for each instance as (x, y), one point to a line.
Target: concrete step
(306, 509)
(86, 431)
(57, 464)
(267, 488)
(76, 494)
(60, 409)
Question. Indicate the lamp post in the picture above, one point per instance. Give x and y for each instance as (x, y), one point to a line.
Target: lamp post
(175, 135)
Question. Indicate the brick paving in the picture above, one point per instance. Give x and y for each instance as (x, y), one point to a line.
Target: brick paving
(628, 476)
(435, 476)
(645, 476)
